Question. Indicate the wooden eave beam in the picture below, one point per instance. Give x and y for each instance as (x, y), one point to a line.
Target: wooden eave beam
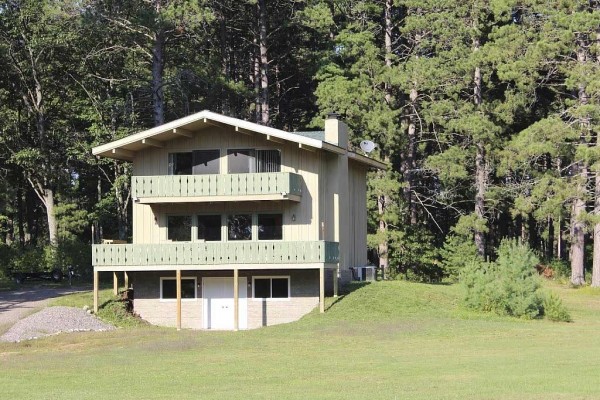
(123, 153)
(153, 143)
(214, 123)
(244, 131)
(307, 148)
(275, 139)
(183, 132)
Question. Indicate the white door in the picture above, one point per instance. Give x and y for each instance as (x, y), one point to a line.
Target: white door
(217, 297)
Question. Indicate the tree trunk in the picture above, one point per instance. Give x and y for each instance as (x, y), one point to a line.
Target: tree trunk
(123, 196)
(158, 66)
(581, 172)
(264, 63)
(225, 70)
(48, 195)
(577, 241)
(410, 158)
(596, 257)
(480, 163)
(383, 245)
(387, 29)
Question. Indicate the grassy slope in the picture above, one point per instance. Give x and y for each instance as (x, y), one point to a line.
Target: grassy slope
(387, 340)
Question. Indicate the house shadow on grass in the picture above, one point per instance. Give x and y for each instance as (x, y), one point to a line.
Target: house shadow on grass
(346, 290)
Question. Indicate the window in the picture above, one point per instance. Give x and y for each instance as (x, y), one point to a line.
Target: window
(243, 161)
(179, 228)
(240, 161)
(268, 161)
(197, 162)
(271, 288)
(168, 288)
(180, 163)
(209, 228)
(239, 227)
(206, 162)
(270, 226)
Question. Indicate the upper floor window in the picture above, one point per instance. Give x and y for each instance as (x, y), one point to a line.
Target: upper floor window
(179, 228)
(242, 161)
(270, 226)
(209, 228)
(196, 162)
(239, 227)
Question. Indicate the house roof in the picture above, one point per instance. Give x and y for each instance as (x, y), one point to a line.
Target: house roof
(125, 148)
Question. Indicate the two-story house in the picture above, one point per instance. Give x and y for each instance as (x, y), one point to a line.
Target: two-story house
(237, 225)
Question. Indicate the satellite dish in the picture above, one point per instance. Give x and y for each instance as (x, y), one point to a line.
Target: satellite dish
(367, 146)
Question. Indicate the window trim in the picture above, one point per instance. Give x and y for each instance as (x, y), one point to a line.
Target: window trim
(171, 278)
(271, 277)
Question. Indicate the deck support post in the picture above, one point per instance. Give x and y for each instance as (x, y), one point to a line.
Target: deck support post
(126, 280)
(322, 290)
(236, 300)
(335, 281)
(178, 280)
(115, 283)
(96, 284)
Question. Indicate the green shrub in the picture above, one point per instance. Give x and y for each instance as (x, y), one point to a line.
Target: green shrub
(457, 253)
(561, 269)
(555, 310)
(509, 286)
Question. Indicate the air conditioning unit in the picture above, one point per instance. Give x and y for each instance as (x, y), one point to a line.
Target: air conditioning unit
(366, 273)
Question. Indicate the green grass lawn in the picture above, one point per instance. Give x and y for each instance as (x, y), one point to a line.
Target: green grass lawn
(387, 340)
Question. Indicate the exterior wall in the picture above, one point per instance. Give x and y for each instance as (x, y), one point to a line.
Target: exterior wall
(357, 183)
(304, 297)
(149, 221)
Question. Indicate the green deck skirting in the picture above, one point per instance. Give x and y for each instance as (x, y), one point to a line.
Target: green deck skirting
(217, 185)
(248, 252)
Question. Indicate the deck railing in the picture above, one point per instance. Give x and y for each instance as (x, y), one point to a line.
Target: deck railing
(215, 253)
(217, 185)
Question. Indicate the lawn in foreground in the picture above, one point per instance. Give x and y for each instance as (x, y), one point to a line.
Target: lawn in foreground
(387, 340)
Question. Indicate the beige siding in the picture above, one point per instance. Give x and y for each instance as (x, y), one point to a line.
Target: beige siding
(358, 214)
(304, 298)
(149, 221)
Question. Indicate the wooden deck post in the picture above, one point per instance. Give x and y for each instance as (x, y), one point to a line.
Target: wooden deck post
(322, 289)
(126, 280)
(178, 279)
(236, 300)
(335, 282)
(96, 284)
(115, 283)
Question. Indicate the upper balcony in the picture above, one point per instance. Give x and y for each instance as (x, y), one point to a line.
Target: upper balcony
(214, 187)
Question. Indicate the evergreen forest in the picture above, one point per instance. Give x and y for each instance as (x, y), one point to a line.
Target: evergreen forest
(486, 111)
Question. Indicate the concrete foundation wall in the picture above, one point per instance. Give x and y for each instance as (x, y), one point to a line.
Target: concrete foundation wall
(304, 297)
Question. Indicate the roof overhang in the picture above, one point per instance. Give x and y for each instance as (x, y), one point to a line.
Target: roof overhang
(126, 148)
(366, 160)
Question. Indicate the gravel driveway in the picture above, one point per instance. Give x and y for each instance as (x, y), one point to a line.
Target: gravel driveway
(18, 312)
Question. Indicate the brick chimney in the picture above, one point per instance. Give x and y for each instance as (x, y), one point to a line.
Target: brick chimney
(336, 131)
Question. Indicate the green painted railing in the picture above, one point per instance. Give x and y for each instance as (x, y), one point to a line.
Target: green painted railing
(217, 185)
(213, 253)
